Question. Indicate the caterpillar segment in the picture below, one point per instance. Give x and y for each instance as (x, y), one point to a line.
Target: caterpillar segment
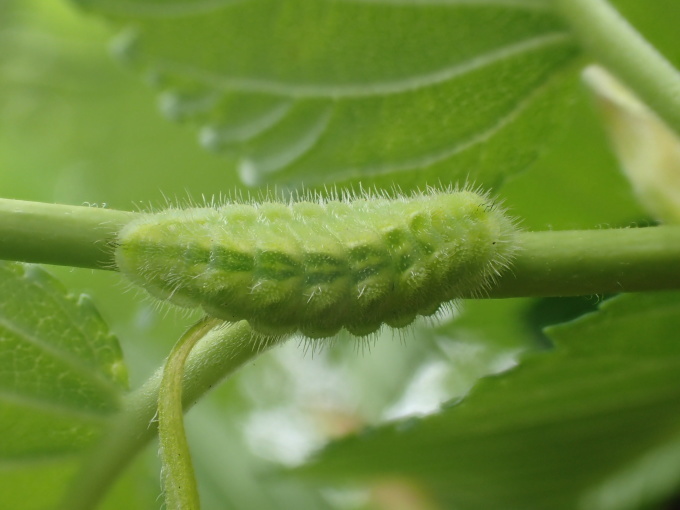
(321, 266)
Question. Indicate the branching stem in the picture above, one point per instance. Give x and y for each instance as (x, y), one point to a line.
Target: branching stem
(179, 480)
(221, 352)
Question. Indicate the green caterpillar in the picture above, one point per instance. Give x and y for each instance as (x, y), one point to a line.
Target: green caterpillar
(320, 266)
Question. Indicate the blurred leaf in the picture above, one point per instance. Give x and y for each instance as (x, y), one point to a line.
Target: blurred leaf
(546, 434)
(138, 487)
(576, 184)
(75, 128)
(647, 149)
(389, 92)
(501, 322)
(486, 337)
(61, 378)
(491, 335)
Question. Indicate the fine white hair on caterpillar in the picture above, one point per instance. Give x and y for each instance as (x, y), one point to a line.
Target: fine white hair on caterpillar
(315, 265)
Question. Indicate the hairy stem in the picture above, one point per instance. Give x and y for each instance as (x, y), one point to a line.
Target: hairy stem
(561, 263)
(622, 50)
(179, 480)
(221, 352)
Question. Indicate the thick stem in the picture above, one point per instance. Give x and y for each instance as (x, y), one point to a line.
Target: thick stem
(179, 480)
(63, 235)
(219, 354)
(622, 50)
(585, 262)
(561, 263)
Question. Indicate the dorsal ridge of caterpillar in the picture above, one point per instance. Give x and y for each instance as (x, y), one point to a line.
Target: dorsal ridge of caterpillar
(317, 266)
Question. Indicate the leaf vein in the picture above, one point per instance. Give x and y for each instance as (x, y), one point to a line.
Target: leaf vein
(434, 157)
(53, 408)
(65, 357)
(358, 90)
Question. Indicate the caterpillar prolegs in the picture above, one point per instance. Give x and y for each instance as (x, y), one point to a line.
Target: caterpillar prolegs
(323, 265)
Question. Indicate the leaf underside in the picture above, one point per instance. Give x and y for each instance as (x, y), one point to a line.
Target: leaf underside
(592, 424)
(312, 92)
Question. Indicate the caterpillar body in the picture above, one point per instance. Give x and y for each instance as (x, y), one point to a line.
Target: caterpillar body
(320, 266)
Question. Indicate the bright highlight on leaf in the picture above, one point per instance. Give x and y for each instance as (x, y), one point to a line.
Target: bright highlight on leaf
(320, 266)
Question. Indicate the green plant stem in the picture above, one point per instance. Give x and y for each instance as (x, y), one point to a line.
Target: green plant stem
(59, 234)
(608, 37)
(179, 480)
(585, 262)
(217, 355)
(561, 263)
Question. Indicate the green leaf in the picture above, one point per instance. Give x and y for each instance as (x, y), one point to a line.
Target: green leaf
(576, 184)
(61, 378)
(566, 429)
(389, 92)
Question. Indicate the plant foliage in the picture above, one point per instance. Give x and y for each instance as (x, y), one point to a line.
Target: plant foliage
(382, 94)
